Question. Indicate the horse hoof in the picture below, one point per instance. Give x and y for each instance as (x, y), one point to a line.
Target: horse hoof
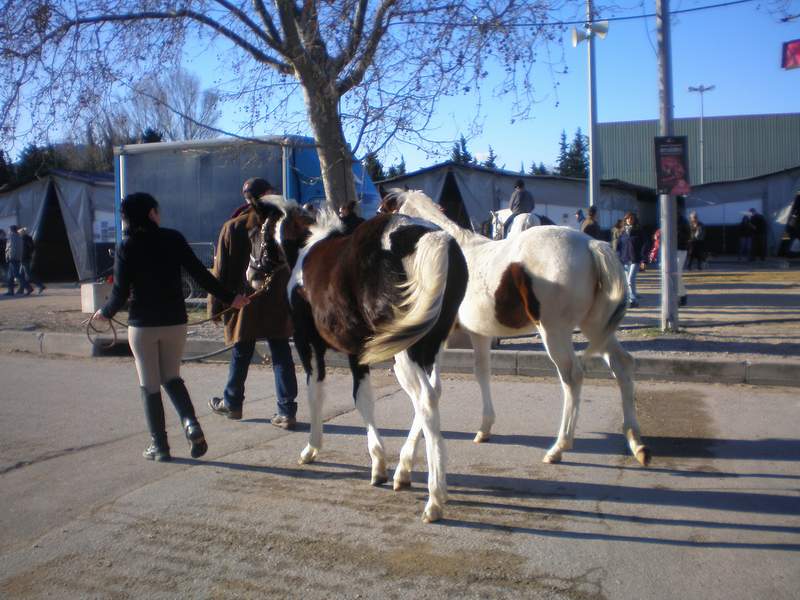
(552, 457)
(399, 485)
(481, 437)
(379, 480)
(432, 514)
(308, 455)
(643, 455)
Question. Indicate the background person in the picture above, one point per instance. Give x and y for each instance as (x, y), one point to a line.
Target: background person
(348, 215)
(14, 251)
(147, 266)
(632, 252)
(267, 317)
(590, 226)
(697, 242)
(745, 237)
(3, 264)
(28, 254)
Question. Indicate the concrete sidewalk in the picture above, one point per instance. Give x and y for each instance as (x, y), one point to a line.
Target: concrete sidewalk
(742, 325)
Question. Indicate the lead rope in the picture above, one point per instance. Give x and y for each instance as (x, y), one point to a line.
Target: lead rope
(91, 327)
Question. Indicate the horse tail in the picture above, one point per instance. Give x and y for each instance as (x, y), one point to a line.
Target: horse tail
(611, 297)
(420, 304)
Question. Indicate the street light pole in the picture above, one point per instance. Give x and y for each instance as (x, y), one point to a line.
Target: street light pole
(590, 29)
(701, 89)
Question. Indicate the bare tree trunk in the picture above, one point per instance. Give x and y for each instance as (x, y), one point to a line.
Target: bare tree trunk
(335, 158)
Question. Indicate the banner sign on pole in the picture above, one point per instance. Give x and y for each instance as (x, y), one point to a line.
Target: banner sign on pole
(790, 58)
(672, 173)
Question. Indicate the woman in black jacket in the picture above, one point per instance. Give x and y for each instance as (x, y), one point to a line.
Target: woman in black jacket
(147, 266)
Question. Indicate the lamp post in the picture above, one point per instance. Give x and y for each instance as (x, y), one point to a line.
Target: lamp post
(701, 89)
(590, 29)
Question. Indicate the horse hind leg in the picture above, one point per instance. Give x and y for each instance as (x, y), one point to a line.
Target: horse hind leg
(481, 347)
(622, 366)
(426, 409)
(405, 465)
(365, 404)
(570, 372)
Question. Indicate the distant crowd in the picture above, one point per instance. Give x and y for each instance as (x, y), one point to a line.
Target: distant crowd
(17, 252)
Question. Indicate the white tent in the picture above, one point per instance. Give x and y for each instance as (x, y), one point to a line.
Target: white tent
(86, 203)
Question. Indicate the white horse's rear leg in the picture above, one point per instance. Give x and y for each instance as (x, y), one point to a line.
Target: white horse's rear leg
(622, 365)
(481, 350)
(365, 403)
(408, 453)
(426, 410)
(570, 371)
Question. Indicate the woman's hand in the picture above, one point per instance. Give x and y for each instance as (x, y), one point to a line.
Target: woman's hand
(240, 301)
(100, 316)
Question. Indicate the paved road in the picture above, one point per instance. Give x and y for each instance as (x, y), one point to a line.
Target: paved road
(717, 514)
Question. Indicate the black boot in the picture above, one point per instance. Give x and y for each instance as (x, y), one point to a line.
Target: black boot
(177, 392)
(154, 414)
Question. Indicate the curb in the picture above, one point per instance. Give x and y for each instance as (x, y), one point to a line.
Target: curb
(503, 362)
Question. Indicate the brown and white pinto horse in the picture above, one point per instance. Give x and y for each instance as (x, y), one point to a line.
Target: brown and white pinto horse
(549, 279)
(392, 288)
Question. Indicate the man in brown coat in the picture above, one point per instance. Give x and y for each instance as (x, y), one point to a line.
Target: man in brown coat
(265, 318)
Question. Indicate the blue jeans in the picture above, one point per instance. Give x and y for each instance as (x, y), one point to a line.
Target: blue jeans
(15, 272)
(282, 367)
(631, 271)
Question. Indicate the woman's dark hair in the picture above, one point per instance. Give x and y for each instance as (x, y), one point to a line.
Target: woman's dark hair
(135, 209)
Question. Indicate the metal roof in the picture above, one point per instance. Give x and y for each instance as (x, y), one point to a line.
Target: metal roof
(737, 147)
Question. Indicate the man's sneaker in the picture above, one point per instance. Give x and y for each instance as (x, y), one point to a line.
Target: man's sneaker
(684, 300)
(157, 453)
(283, 421)
(219, 407)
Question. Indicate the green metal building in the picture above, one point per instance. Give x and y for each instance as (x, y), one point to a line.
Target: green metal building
(739, 147)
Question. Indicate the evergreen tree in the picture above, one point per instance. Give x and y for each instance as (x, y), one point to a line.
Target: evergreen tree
(563, 158)
(398, 169)
(6, 170)
(578, 156)
(373, 167)
(542, 170)
(491, 160)
(35, 161)
(151, 136)
(460, 155)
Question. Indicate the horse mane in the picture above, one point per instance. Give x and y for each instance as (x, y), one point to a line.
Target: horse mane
(417, 203)
(327, 222)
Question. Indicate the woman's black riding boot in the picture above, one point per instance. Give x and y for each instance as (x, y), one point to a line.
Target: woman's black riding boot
(154, 414)
(177, 392)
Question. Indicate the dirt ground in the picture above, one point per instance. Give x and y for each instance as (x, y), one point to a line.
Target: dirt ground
(744, 311)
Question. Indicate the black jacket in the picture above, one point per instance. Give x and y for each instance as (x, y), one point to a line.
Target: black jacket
(147, 266)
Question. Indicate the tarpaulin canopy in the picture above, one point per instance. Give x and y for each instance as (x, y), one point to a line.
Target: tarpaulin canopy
(81, 197)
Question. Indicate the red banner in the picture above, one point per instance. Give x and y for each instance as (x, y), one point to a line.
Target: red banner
(672, 175)
(791, 55)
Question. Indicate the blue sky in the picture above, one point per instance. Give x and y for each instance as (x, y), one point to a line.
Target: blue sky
(736, 48)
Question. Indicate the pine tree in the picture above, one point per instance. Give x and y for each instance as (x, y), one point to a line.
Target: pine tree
(460, 155)
(398, 169)
(578, 156)
(491, 160)
(373, 167)
(6, 170)
(151, 136)
(562, 162)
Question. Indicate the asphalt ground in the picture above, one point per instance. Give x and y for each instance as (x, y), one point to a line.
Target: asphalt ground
(716, 515)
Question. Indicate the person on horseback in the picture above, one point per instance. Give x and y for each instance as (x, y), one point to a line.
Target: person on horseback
(521, 201)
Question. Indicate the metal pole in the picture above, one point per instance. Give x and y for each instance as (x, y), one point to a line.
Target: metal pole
(669, 239)
(702, 150)
(594, 165)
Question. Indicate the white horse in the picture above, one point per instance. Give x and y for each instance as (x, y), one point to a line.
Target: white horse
(549, 279)
(521, 223)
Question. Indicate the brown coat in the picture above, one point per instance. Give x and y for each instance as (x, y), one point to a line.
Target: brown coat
(267, 315)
